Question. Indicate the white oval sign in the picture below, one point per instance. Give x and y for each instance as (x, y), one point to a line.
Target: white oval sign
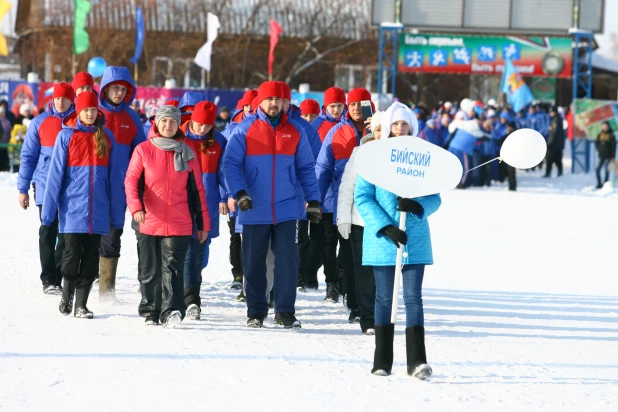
(408, 166)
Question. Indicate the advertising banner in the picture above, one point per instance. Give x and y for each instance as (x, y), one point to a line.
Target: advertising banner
(463, 54)
(590, 114)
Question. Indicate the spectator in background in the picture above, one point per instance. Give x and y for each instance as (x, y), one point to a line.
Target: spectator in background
(5, 136)
(25, 112)
(18, 135)
(606, 148)
(431, 133)
(8, 114)
(222, 118)
(555, 142)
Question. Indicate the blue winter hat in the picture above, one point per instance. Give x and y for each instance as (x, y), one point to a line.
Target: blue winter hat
(505, 115)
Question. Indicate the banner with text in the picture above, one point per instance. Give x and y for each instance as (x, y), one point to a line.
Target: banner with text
(447, 53)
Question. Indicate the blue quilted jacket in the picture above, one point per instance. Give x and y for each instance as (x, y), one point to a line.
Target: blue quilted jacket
(378, 208)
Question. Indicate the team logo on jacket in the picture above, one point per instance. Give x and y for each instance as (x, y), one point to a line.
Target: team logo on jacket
(286, 135)
(124, 126)
(210, 152)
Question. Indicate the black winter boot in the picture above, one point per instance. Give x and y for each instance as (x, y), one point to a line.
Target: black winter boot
(66, 301)
(415, 353)
(81, 299)
(383, 356)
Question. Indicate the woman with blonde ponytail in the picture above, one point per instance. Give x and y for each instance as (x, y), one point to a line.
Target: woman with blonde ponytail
(82, 168)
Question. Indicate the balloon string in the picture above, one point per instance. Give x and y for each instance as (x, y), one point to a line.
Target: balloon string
(497, 158)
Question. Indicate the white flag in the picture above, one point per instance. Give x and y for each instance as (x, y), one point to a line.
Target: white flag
(202, 58)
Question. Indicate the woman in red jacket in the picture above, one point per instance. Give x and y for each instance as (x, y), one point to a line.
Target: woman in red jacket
(165, 195)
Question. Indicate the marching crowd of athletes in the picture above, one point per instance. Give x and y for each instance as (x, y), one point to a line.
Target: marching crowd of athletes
(283, 174)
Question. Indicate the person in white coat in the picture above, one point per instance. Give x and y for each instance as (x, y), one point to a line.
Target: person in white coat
(351, 225)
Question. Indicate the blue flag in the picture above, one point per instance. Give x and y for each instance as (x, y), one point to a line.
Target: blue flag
(140, 33)
(513, 85)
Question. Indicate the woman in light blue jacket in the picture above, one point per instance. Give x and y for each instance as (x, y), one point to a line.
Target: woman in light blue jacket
(380, 211)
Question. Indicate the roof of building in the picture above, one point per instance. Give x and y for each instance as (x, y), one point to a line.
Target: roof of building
(347, 19)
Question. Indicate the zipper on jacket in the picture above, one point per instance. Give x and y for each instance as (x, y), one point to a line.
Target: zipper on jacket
(273, 174)
(92, 180)
(167, 193)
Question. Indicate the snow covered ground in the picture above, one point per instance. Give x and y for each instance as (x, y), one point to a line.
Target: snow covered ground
(521, 314)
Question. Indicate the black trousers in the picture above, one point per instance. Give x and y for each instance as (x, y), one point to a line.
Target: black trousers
(303, 247)
(365, 281)
(323, 250)
(110, 244)
(161, 274)
(349, 277)
(51, 245)
(80, 258)
(553, 157)
(235, 249)
(512, 177)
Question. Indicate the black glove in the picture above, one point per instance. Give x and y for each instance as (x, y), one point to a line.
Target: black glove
(314, 212)
(409, 205)
(244, 201)
(395, 234)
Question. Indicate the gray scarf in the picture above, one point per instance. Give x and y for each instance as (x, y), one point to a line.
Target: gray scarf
(182, 152)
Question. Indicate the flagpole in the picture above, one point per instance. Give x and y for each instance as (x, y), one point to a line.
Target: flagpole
(74, 65)
(208, 79)
(135, 73)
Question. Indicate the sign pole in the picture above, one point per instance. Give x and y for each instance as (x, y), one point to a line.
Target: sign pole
(398, 270)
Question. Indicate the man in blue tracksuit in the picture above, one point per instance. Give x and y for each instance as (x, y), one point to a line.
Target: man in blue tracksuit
(36, 156)
(117, 94)
(267, 158)
(316, 143)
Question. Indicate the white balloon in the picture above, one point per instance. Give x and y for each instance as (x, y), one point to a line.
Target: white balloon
(523, 149)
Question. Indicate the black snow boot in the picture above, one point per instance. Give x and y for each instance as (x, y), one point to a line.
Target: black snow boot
(383, 356)
(81, 299)
(66, 301)
(415, 353)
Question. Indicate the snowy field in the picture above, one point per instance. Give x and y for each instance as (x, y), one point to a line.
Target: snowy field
(521, 314)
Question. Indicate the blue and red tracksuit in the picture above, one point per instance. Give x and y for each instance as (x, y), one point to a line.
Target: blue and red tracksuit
(121, 120)
(37, 150)
(237, 117)
(270, 162)
(324, 122)
(209, 151)
(334, 154)
(270, 159)
(85, 189)
(210, 159)
(187, 103)
(314, 138)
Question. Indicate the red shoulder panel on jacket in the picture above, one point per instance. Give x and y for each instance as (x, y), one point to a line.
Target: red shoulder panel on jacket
(261, 139)
(344, 142)
(324, 129)
(81, 151)
(122, 126)
(49, 129)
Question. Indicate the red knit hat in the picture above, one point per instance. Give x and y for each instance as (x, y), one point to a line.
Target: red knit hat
(287, 94)
(269, 89)
(64, 90)
(204, 113)
(172, 101)
(357, 95)
(334, 95)
(82, 79)
(310, 106)
(247, 98)
(86, 99)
